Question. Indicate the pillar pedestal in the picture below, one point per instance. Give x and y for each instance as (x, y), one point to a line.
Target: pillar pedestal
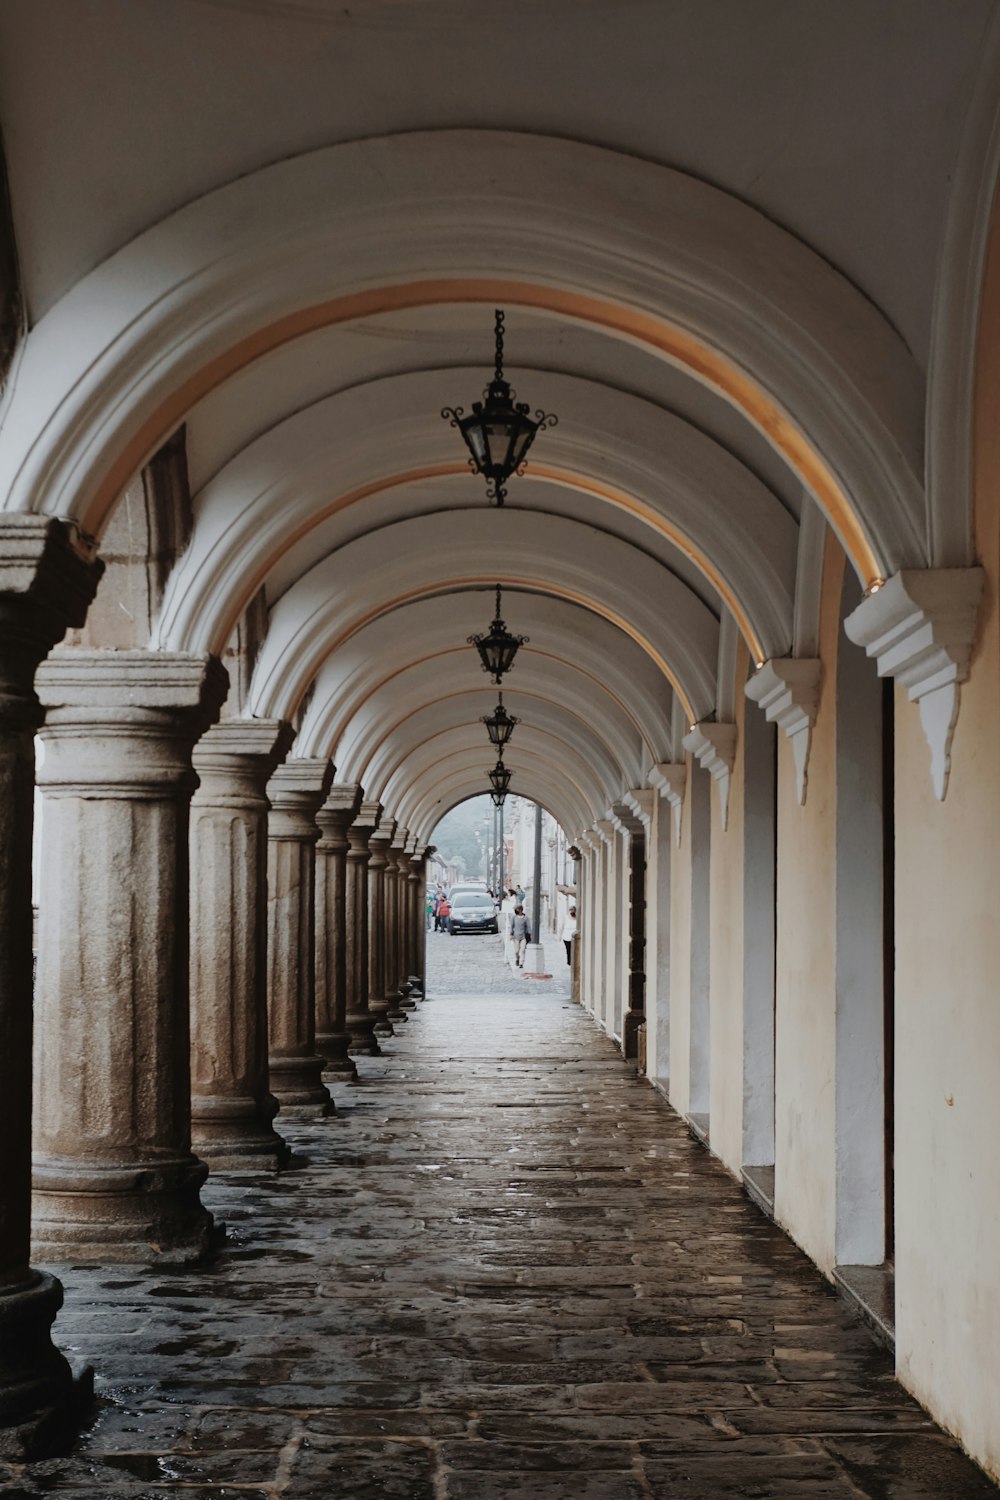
(47, 581)
(360, 1018)
(115, 1178)
(333, 1038)
(231, 1103)
(297, 790)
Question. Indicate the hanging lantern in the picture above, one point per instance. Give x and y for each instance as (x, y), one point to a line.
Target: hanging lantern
(499, 779)
(498, 647)
(499, 431)
(499, 724)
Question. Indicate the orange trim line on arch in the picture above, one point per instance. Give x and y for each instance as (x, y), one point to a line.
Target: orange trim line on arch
(564, 775)
(536, 585)
(675, 344)
(555, 474)
(387, 734)
(529, 650)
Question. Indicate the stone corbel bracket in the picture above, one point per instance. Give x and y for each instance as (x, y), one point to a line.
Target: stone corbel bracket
(787, 689)
(640, 803)
(714, 747)
(671, 781)
(920, 627)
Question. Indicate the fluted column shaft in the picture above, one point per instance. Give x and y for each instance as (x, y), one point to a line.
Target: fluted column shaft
(378, 859)
(296, 791)
(46, 584)
(360, 1017)
(231, 1103)
(115, 1177)
(391, 975)
(332, 1036)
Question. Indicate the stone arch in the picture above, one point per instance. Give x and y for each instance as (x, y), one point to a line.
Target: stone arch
(435, 628)
(472, 549)
(313, 479)
(690, 273)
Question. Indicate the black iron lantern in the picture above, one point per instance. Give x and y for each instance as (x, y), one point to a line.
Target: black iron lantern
(499, 724)
(498, 432)
(497, 648)
(499, 779)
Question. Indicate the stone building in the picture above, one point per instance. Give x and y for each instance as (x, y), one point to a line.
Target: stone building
(747, 253)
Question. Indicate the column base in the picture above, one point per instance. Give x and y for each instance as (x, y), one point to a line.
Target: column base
(394, 1011)
(334, 1047)
(235, 1134)
(631, 1024)
(43, 1399)
(361, 1028)
(145, 1212)
(382, 1026)
(297, 1084)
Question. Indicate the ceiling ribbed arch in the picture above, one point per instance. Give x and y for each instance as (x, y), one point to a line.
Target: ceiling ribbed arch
(435, 629)
(392, 717)
(466, 549)
(379, 451)
(456, 718)
(644, 252)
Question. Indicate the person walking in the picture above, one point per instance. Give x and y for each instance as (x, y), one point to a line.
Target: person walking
(429, 908)
(444, 913)
(569, 933)
(520, 934)
(506, 912)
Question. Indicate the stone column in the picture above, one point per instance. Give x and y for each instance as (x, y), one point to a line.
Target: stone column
(397, 928)
(379, 858)
(297, 790)
(416, 920)
(46, 583)
(115, 1178)
(231, 1103)
(390, 976)
(332, 1036)
(360, 1017)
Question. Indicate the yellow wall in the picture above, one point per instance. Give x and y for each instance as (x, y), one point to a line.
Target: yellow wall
(680, 964)
(726, 987)
(948, 1009)
(805, 977)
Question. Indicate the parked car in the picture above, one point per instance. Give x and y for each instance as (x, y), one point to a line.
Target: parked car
(473, 911)
(464, 888)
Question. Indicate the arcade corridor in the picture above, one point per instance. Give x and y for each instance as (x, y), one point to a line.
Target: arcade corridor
(508, 1271)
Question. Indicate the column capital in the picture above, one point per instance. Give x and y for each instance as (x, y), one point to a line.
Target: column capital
(123, 723)
(714, 747)
(360, 832)
(379, 841)
(48, 577)
(296, 791)
(235, 759)
(335, 817)
(920, 627)
(787, 689)
(604, 830)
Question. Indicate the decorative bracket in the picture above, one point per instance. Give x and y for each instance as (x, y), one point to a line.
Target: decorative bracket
(714, 747)
(920, 627)
(640, 803)
(787, 689)
(670, 781)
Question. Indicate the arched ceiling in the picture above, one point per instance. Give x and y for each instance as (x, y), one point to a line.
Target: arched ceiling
(285, 224)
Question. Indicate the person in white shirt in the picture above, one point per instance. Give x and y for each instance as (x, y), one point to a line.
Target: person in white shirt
(569, 933)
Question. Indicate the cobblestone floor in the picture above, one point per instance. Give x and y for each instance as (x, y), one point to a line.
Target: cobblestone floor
(505, 1271)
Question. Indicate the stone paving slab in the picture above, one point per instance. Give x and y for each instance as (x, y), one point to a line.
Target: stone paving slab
(504, 1270)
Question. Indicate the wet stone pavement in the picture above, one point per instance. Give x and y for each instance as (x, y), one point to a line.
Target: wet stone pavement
(505, 1270)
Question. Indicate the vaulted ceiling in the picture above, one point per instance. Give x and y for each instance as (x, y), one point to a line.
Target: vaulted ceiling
(284, 224)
